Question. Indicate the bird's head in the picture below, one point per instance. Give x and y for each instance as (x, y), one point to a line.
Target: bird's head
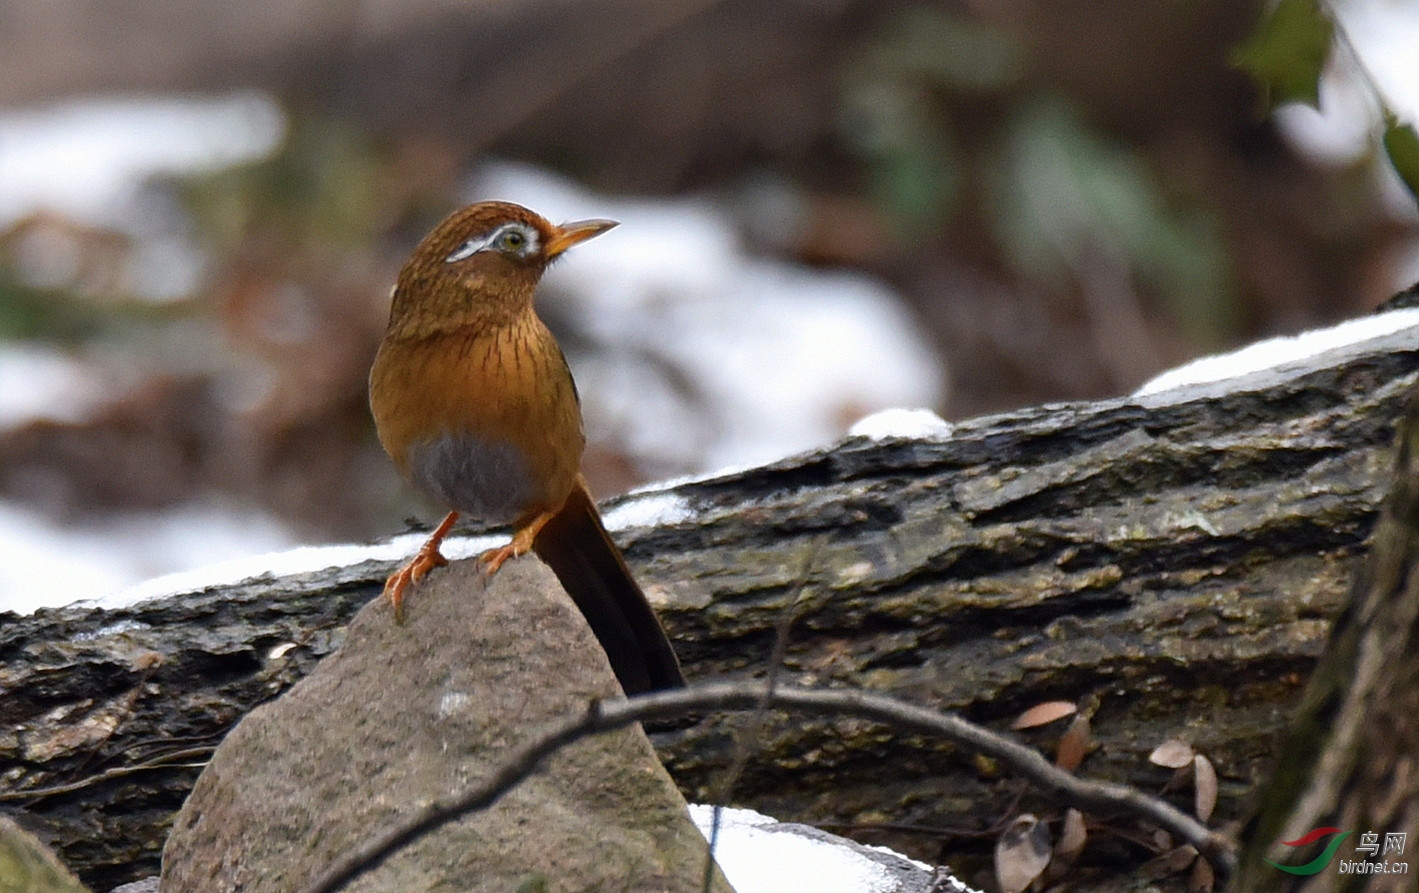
(486, 257)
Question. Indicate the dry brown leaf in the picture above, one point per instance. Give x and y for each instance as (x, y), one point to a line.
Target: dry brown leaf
(1072, 837)
(1073, 744)
(1021, 854)
(1204, 784)
(1181, 857)
(1203, 878)
(1043, 714)
(1172, 754)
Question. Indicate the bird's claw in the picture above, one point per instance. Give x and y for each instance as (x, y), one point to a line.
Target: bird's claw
(425, 560)
(493, 559)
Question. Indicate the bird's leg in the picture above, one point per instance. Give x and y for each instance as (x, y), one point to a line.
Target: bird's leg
(426, 559)
(521, 544)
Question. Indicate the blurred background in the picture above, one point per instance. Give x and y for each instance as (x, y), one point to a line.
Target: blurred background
(829, 207)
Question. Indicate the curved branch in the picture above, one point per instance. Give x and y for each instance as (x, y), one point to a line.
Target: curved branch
(604, 716)
(165, 760)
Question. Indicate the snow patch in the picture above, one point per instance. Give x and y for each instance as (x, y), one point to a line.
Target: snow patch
(86, 158)
(910, 424)
(649, 510)
(757, 858)
(48, 565)
(1282, 350)
(300, 560)
(45, 383)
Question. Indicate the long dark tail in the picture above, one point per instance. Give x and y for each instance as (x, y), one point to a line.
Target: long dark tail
(580, 552)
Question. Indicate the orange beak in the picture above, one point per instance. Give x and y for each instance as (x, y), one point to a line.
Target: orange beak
(569, 234)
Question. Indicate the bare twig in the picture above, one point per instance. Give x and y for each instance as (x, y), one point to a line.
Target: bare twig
(748, 739)
(167, 760)
(604, 716)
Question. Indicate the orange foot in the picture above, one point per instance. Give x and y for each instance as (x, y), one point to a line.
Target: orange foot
(521, 544)
(426, 559)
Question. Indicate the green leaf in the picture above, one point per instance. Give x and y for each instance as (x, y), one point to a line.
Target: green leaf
(1288, 52)
(1402, 146)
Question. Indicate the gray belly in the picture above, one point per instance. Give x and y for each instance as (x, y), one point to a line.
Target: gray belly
(487, 480)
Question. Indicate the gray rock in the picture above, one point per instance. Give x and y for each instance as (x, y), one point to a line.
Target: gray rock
(402, 714)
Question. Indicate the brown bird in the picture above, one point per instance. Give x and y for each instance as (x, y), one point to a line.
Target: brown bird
(475, 404)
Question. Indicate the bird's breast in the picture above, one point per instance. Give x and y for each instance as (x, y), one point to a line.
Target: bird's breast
(486, 422)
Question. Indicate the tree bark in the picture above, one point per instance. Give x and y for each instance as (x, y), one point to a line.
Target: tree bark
(1170, 563)
(1349, 758)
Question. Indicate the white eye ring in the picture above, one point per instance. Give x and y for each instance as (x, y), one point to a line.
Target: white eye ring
(517, 239)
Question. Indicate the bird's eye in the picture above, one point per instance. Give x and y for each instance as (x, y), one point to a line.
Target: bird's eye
(513, 240)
